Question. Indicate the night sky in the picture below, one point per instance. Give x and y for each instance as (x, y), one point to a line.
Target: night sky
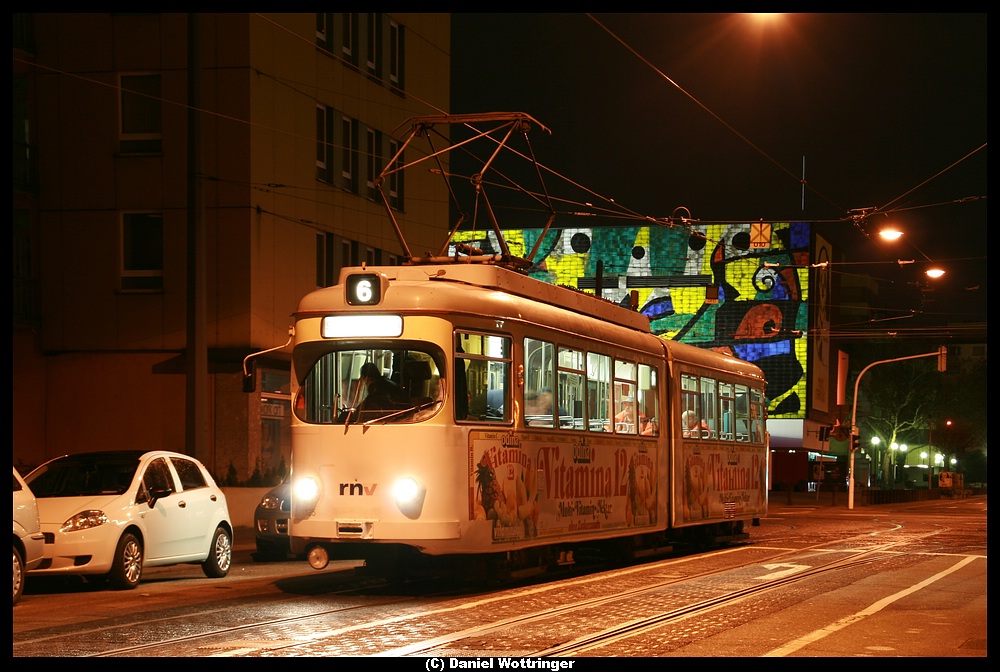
(721, 114)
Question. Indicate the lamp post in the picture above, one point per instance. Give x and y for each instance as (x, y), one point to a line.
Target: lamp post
(898, 449)
(893, 447)
(876, 460)
(854, 413)
(930, 449)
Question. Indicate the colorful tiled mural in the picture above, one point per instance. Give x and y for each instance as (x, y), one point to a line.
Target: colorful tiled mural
(740, 288)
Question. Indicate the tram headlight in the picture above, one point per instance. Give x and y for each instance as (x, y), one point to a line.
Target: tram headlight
(305, 495)
(409, 496)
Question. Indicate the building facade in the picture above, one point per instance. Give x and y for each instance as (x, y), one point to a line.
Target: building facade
(180, 181)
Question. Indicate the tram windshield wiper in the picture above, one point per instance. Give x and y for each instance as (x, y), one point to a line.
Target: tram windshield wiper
(382, 419)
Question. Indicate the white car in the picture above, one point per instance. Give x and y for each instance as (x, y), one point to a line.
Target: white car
(107, 515)
(29, 544)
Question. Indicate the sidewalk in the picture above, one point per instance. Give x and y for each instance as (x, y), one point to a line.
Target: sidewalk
(824, 498)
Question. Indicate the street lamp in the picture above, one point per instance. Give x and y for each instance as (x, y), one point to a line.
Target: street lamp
(902, 451)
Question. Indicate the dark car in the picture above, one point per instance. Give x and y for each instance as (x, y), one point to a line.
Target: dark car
(270, 522)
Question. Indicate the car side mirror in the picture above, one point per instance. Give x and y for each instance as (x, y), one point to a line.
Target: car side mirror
(158, 493)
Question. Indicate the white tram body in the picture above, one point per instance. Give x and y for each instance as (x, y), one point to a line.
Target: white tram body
(463, 460)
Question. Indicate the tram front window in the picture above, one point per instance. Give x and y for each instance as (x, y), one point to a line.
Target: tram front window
(370, 385)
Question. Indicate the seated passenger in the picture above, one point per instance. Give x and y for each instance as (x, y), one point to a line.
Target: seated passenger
(690, 425)
(538, 403)
(538, 409)
(647, 419)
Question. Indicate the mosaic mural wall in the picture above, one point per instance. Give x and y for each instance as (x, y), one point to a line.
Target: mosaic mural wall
(739, 288)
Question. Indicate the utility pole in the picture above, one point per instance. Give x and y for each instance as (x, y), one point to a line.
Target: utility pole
(940, 353)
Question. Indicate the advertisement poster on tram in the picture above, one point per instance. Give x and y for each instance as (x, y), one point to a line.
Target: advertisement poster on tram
(542, 485)
(720, 483)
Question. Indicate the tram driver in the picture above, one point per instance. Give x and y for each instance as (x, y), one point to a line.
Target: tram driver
(383, 394)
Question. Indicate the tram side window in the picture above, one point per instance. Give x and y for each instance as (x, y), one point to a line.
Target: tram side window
(482, 377)
(598, 391)
(648, 401)
(756, 416)
(539, 374)
(625, 398)
(709, 421)
(742, 413)
(727, 414)
(690, 417)
(571, 390)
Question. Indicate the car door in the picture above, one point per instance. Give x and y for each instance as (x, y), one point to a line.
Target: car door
(199, 503)
(166, 520)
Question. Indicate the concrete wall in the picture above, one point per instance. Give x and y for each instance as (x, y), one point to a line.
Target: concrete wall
(242, 502)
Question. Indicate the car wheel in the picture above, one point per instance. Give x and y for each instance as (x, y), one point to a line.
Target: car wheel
(126, 570)
(18, 575)
(220, 555)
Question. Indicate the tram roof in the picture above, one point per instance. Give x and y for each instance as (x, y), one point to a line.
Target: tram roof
(487, 276)
(499, 278)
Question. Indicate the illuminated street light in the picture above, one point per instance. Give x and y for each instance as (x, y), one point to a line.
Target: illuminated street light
(890, 234)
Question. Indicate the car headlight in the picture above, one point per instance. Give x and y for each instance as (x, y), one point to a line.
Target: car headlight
(84, 521)
(270, 502)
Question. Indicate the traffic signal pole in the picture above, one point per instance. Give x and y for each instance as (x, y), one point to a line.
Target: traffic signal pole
(941, 353)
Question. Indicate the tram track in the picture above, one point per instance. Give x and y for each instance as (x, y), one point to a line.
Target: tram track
(314, 628)
(640, 626)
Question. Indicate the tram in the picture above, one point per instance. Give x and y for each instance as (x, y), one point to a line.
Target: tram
(526, 421)
(455, 408)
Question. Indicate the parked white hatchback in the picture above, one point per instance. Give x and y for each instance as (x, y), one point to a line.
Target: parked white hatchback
(29, 543)
(106, 515)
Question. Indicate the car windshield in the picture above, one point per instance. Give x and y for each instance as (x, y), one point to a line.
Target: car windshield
(83, 475)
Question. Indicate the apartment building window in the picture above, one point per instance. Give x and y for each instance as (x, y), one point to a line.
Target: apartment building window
(141, 114)
(142, 251)
(395, 179)
(349, 37)
(346, 255)
(325, 266)
(324, 22)
(323, 143)
(26, 285)
(373, 45)
(24, 31)
(373, 160)
(395, 55)
(348, 141)
(24, 159)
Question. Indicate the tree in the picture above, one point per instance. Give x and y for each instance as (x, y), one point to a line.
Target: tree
(907, 401)
(899, 397)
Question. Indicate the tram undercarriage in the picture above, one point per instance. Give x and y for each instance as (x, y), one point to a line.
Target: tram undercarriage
(399, 562)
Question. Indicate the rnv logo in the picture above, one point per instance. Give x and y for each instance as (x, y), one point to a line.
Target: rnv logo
(360, 489)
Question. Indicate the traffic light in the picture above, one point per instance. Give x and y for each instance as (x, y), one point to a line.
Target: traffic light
(943, 358)
(855, 442)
